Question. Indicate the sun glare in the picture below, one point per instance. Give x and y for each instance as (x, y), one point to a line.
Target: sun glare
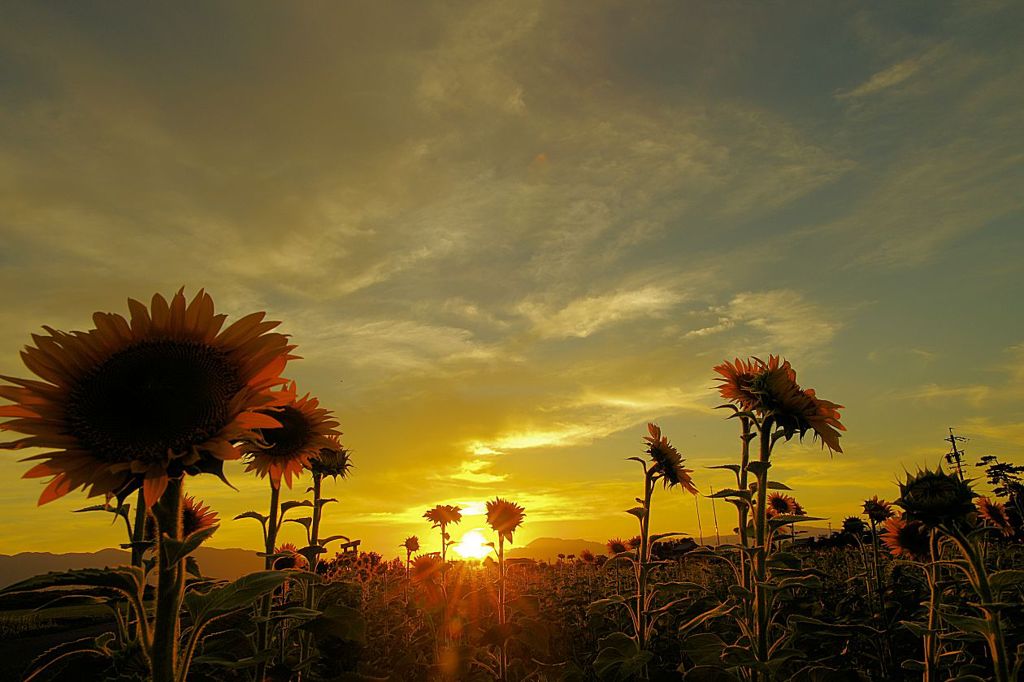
(472, 545)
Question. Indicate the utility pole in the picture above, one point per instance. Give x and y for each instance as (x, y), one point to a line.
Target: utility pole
(700, 529)
(714, 512)
(956, 457)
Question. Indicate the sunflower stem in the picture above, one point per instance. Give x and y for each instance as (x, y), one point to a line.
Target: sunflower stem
(263, 629)
(314, 528)
(994, 637)
(138, 531)
(761, 615)
(930, 639)
(170, 585)
(503, 654)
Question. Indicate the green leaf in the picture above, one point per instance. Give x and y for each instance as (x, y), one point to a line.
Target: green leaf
(176, 550)
(704, 649)
(708, 673)
(730, 492)
(968, 623)
(72, 600)
(125, 579)
(323, 543)
(304, 521)
(775, 485)
(758, 468)
(805, 625)
(820, 673)
(639, 512)
(602, 605)
(252, 515)
(781, 520)
(735, 468)
(205, 606)
(341, 622)
(701, 618)
(661, 536)
(292, 504)
(916, 629)
(619, 658)
(1000, 580)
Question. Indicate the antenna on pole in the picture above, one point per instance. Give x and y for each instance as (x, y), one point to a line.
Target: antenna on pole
(956, 456)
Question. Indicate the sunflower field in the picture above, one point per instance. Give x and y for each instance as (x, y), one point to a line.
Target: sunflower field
(924, 582)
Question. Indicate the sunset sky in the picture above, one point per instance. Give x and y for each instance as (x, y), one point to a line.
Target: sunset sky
(506, 235)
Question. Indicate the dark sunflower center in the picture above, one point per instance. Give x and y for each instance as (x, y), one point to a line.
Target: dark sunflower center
(291, 437)
(151, 397)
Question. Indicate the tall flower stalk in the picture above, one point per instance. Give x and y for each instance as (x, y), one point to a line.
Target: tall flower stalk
(944, 504)
(771, 406)
(282, 453)
(504, 517)
(622, 654)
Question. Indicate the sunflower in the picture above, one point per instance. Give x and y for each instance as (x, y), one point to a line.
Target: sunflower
(411, 544)
(995, 514)
(936, 498)
(737, 379)
(634, 542)
(134, 403)
(617, 546)
(333, 461)
(877, 510)
(771, 388)
(667, 460)
(291, 561)
(796, 410)
(443, 514)
(195, 516)
(781, 505)
(504, 517)
(907, 539)
(854, 525)
(304, 431)
(586, 556)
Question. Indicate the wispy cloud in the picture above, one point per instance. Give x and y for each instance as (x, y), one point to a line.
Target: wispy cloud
(894, 75)
(585, 316)
(782, 320)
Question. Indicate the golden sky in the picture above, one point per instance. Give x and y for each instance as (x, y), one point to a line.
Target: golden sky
(506, 235)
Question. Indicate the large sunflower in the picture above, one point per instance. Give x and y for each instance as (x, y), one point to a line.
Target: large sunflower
(795, 409)
(304, 430)
(135, 402)
(770, 388)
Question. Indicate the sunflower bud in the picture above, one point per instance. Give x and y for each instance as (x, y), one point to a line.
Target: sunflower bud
(935, 498)
(854, 525)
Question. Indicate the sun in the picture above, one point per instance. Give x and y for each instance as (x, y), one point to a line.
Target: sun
(473, 545)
